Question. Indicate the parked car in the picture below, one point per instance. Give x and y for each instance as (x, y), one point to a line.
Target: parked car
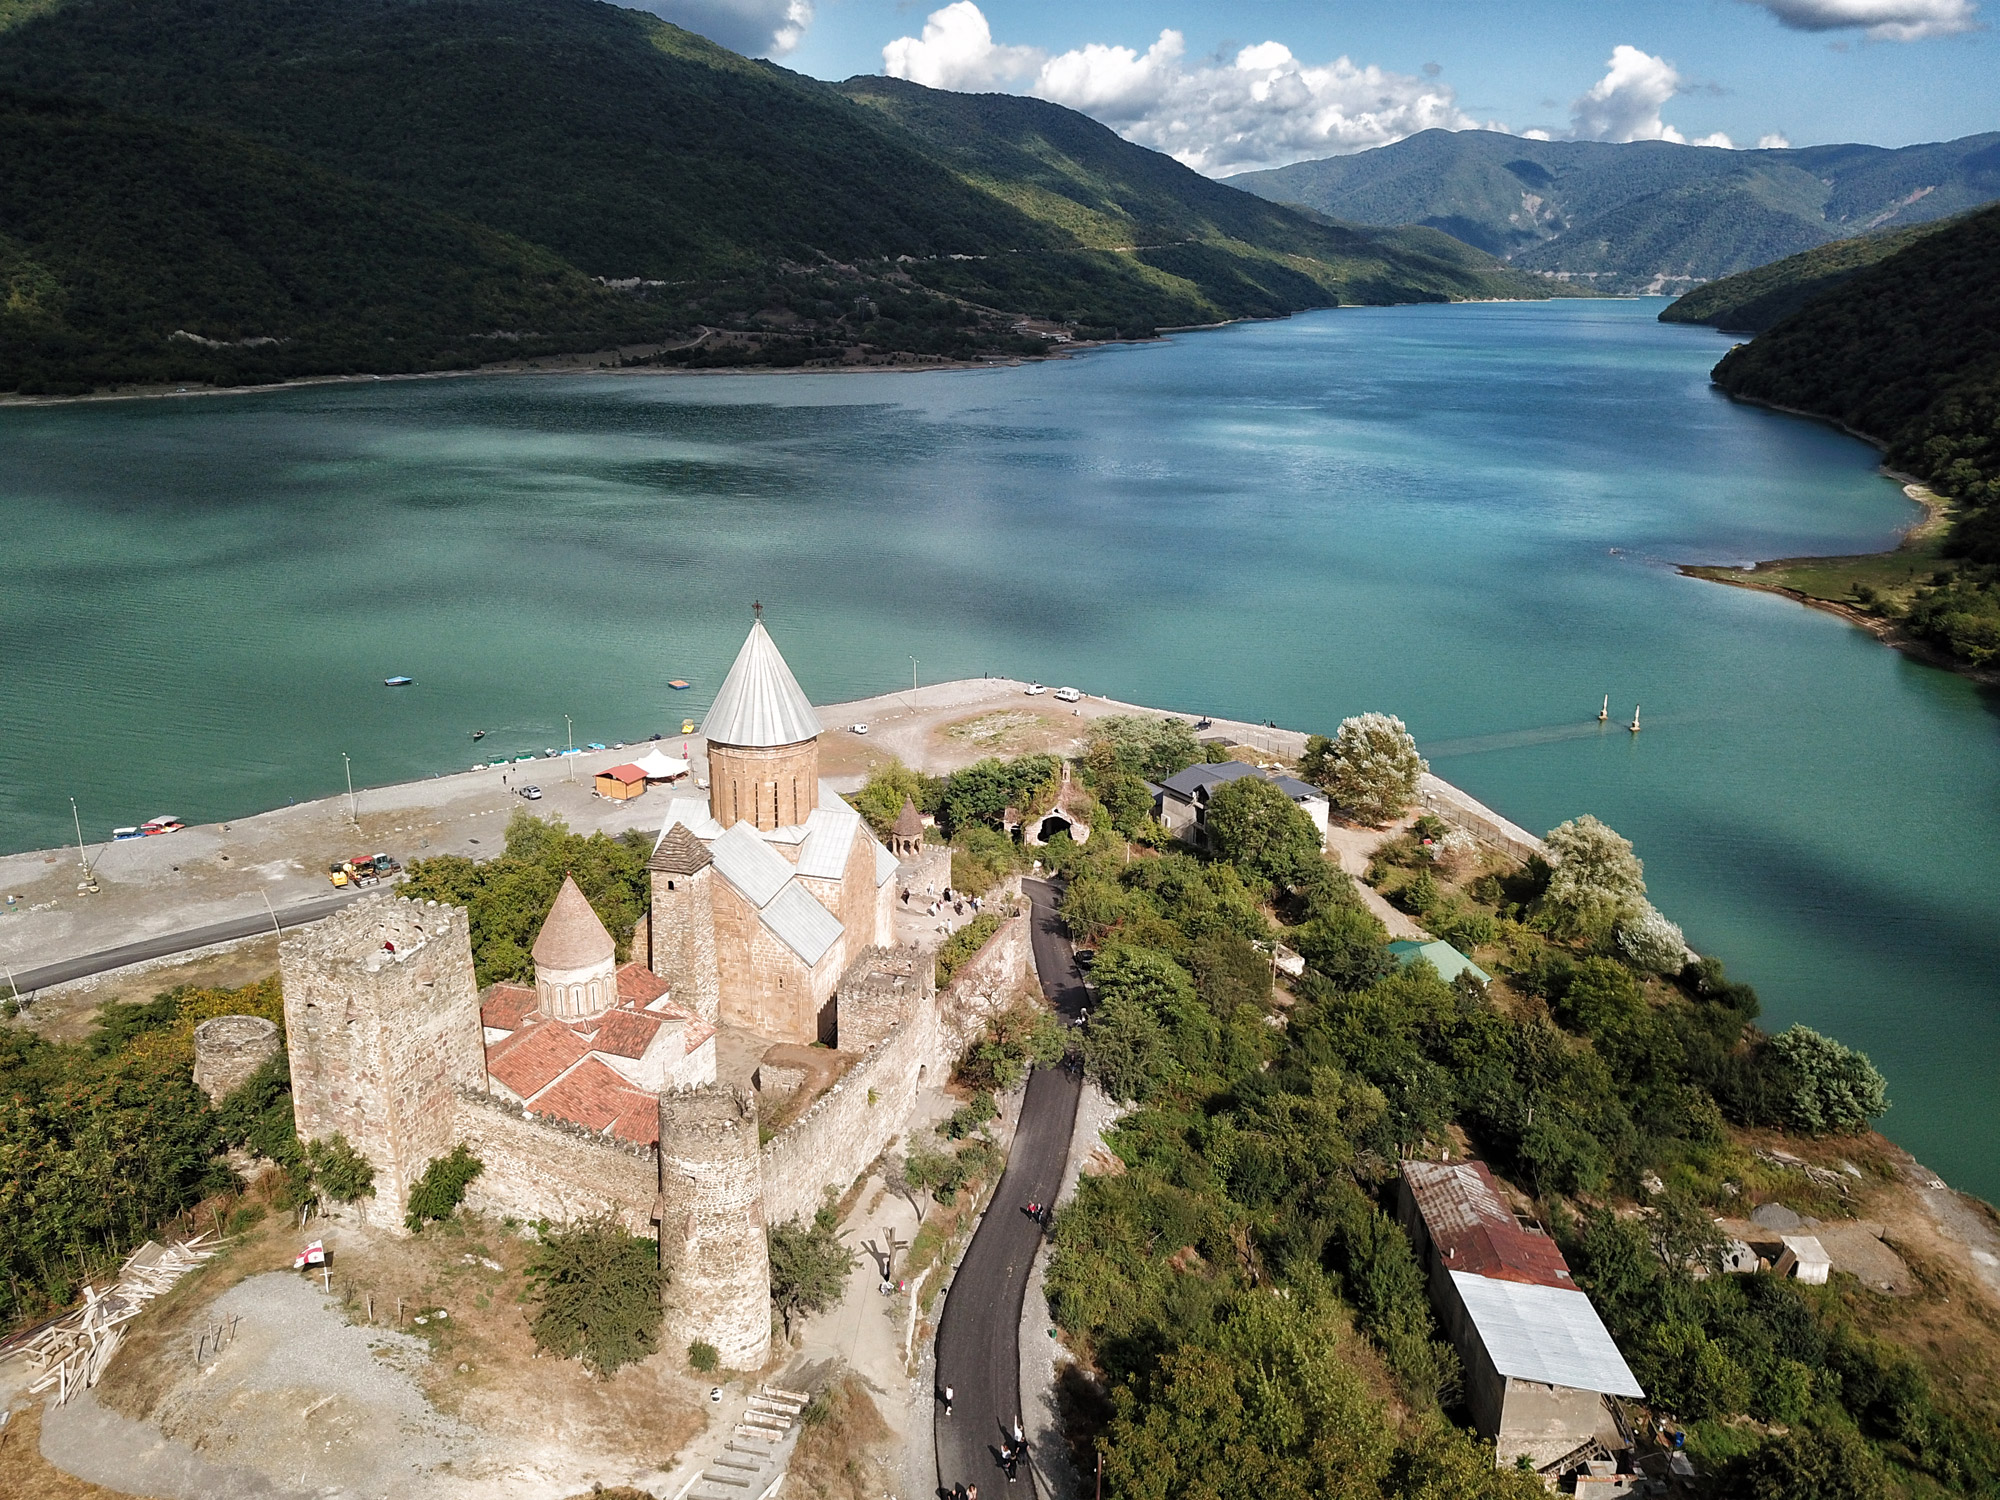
(532, 793)
(1034, 688)
(857, 728)
(1067, 695)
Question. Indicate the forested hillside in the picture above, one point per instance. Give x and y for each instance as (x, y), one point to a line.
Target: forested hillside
(1908, 351)
(1642, 215)
(752, 214)
(1752, 301)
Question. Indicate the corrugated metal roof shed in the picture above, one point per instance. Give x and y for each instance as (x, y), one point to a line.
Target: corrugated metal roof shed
(1473, 1230)
(801, 923)
(761, 704)
(1545, 1333)
(743, 859)
(1447, 960)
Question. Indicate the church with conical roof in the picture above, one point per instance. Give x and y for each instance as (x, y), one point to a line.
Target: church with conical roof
(765, 889)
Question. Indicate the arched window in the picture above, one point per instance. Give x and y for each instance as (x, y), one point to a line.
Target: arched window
(593, 994)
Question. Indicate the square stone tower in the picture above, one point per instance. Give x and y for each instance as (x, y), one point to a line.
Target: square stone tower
(680, 927)
(382, 1023)
(713, 1242)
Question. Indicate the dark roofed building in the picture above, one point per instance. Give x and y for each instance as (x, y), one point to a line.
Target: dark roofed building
(1181, 803)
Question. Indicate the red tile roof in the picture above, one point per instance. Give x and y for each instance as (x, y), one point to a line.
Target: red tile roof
(506, 1007)
(627, 774)
(1473, 1230)
(639, 985)
(595, 1097)
(532, 1058)
(626, 1033)
(697, 1033)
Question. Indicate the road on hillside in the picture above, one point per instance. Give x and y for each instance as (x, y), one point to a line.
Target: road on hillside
(27, 981)
(978, 1338)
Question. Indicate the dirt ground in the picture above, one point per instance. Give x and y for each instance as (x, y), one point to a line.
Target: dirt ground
(67, 1012)
(26, 1475)
(412, 1373)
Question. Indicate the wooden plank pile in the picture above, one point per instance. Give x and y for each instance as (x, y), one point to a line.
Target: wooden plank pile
(72, 1353)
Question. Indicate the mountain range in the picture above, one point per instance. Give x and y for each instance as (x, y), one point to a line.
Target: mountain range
(200, 191)
(1642, 215)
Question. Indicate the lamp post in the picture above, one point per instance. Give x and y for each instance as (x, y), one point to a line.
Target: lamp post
(77, 818)
(353, 808)
(913, 674)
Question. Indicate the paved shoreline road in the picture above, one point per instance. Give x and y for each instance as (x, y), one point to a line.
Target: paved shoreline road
(978, 1338)
(27, 981)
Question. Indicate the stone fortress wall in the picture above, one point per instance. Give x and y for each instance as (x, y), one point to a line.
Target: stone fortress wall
(534, 1167)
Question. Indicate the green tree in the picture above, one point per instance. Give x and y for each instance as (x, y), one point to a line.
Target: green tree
(1823, 1086)
(809, 1267)
(337, 1171)
(1145, 746)
(1594, 879)
(1822, 1461)
(1125, 1049)
(597, 1292)
(1370, 768)
(441, 1189)
(1256, 826)
(881, 798)
(1347, 944)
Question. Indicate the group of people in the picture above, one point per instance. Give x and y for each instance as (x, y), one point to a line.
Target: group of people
(1042, 1213)
(1013, 1448)
(957, 901)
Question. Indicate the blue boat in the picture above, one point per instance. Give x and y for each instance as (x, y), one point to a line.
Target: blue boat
(398, 681)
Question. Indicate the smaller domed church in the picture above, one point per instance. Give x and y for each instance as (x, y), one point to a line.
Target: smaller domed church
(592, 1041)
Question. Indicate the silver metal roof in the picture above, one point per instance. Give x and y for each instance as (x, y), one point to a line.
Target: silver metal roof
(885, 867)
(749, 864)
(691, 812)
(801, 923)
(1545, 1333)
(829, 841)
(761, 704)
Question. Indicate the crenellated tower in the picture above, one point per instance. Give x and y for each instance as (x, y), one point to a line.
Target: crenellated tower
(712, 1235)
(382, 1025)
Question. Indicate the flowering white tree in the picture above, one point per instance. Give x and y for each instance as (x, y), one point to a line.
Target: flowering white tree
(1651, 941)
(1595, 880)
(1370, 768)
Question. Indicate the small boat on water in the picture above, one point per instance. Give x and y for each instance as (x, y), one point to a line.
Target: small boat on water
(1634, 725)
(126, 833)
(398, 681)
(1605, 712)
(479, 734)
(678, 686)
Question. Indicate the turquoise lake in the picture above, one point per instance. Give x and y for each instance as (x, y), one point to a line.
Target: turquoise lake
(1465, 515)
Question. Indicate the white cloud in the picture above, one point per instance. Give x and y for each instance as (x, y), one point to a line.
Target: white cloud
(1884, 20)
(1775, 141)
(1717, 139)
(1624, 105)
(957, 51)
(1262, 108)
(756, 28)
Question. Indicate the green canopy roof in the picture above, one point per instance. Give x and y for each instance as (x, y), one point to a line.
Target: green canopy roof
(1447, 960)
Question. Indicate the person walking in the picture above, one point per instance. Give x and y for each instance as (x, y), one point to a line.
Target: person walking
(1012, 1462)
(947, 1401)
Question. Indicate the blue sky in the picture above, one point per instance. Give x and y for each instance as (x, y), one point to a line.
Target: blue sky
(1810, 71)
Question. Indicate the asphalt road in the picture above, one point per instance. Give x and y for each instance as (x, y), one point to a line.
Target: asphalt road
(167, 943)
(978, 1338)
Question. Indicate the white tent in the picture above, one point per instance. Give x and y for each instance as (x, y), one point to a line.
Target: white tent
(660, 767)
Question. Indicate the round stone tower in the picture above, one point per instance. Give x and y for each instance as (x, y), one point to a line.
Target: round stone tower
(763, 742)
(712, 1239)
(576, 962)
(228, 1049)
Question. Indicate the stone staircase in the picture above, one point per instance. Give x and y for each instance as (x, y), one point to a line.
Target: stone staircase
(752, 1464)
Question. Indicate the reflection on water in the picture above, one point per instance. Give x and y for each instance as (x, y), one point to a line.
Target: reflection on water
(1463, 515)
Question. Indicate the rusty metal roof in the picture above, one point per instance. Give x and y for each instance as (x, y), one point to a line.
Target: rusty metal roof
(1473, 1230)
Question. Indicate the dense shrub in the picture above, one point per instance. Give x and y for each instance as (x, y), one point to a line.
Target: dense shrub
(809, 1267)
(1255, 826)
(1370, 768)
(438, 1193)
(596, 1294)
